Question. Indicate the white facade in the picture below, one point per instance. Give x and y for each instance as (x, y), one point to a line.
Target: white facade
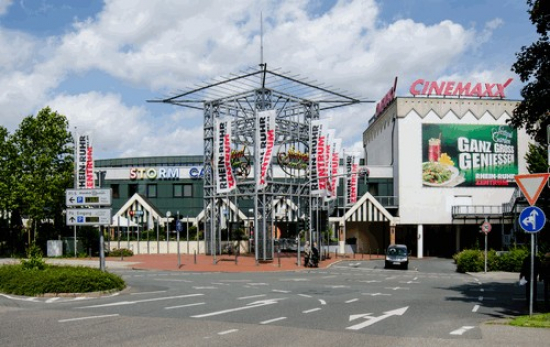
(395, 139)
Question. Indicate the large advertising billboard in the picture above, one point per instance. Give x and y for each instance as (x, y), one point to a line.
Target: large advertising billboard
(468, 155)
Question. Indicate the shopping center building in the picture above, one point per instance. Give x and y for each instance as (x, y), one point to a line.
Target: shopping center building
(441, 162)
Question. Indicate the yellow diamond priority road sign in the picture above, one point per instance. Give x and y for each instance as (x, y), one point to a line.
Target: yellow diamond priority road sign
(531, 185)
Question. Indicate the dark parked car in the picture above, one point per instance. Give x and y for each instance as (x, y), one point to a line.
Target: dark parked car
(397, 256)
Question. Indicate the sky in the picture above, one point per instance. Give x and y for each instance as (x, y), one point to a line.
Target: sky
(98, 62)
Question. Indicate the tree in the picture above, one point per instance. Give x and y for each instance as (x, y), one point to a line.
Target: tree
(43, 167)
(533, 68)
(536, 158)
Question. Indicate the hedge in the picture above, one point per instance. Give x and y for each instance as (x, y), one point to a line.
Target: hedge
(18, 280)
(473, 260)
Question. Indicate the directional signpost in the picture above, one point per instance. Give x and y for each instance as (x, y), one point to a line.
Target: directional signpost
(88, 216)
(532, 218)
(82, 216)
(88, 197)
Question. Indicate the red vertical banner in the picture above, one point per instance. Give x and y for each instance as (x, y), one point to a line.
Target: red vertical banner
(90, 179)
(84, 163)
(352, 169)
(223, 174)
(263, 145)
(335, 164)
(318, 162)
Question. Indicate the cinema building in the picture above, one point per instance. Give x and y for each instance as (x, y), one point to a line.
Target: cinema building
(451, 158)
(441, 162)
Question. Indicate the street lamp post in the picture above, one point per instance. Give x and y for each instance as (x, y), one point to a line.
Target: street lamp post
(178, 229)
(168, 215)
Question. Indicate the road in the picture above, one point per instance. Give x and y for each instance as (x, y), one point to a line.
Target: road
(352, 303)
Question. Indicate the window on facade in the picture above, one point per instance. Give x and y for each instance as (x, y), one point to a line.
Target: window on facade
(151, 190)
(115, 190)
(132, 189)
(183, 190)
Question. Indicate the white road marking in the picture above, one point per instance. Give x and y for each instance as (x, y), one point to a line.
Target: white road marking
(371, 281)
(49, 301)
(257, 284)
(85, 318)
(228, 331)
(205, 287)
(323, 302)
(476, 307)
(461, 330)
(397, 288)
(144, 293)
(144, 300)
(273, 320)
(281, 291)
(188, 305)
(352, 300)
(375, 294)
(312, 310)
(247, 307)
(305, 295)
(371, 320)
(171, 280)
(251, 297)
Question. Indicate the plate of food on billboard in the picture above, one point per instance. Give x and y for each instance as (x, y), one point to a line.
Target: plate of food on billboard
(468, 155)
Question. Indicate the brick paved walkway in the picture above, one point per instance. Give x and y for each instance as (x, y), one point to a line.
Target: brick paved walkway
(225, 263)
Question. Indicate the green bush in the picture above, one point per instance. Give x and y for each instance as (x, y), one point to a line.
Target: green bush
(511, 261)
(34, 261)
(469, 260)
(18, 280)
(473, 260)
(125, 252)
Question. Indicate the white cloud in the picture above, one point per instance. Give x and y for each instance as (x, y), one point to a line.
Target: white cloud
(118, 130)
(163, 46)
(4, 4)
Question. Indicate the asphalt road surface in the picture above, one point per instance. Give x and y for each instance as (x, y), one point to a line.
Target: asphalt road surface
(354, 303)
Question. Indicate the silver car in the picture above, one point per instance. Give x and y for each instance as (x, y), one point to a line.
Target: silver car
(397, 256)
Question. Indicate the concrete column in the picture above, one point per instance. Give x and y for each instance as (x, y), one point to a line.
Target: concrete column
(392, 234)
(420, 238)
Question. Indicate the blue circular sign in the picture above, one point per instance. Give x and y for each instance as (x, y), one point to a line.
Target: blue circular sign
(532, 219)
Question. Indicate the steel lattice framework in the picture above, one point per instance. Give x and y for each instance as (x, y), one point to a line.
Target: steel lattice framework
(241, 96)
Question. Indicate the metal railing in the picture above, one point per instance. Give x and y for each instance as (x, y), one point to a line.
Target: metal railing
(388, 201)
(478, 210)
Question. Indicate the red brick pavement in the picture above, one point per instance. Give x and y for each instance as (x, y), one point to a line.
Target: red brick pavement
(226, 263)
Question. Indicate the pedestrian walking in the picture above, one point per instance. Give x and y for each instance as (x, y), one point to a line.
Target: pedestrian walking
(525, 273)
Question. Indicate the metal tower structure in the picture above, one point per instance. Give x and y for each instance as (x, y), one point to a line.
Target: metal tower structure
(241, 98)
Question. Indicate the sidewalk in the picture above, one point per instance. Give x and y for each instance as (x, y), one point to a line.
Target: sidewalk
(222, 263)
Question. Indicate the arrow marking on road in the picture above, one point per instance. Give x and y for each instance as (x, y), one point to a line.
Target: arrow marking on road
(371, 320)
(251, 305)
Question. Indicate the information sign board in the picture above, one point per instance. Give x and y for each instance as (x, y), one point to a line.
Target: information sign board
(88, 216)
(88, 197)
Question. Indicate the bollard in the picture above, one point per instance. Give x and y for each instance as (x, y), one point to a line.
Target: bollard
(195, 256)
